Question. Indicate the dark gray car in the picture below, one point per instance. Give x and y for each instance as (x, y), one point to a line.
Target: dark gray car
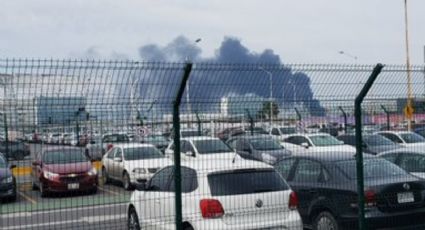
(372, 144)
(261, 147)
(7, 180)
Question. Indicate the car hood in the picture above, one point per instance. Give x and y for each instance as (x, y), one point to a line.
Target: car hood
(148, 163)
(79, 167)
(5, 172)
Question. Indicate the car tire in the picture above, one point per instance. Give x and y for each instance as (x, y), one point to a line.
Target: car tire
(133, 220)
(43, 192)
(105, 177)
(187, 227)
(126, 182)
(325, 221)
(19, 155)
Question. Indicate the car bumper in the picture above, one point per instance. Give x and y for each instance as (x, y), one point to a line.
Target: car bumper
(84, 184)
(7, 190)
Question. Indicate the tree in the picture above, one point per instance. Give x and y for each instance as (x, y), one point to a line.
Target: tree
(265, 111)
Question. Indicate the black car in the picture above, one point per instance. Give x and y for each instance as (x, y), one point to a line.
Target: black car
(372, 143)
(327, 190)
(7, 180)
(18, 150)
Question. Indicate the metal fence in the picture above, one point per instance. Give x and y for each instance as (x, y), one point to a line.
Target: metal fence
(154, 145)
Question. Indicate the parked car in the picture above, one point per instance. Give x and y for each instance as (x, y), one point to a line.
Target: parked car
(18, 150)
(327, 190)
(132, 163)
(410, 159)
(70, 139)
(7, 180)
(54, 138)
(315, 142)
(372, 143)
(201, 148)
(218, 194)
(260, 147)
(98, 146)
(404, 138)
(283, 132)
(226, 133)
(62, 169)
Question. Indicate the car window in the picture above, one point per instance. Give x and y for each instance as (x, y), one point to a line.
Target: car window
(349, 140)
(392, 137)
(275, 132)
(118, 153)
(189, 180)
(324, 140)
(141, 153)
(186, 147)
(372, 168)
(288, 130)
(284, 167)
(232, 143)
(64, 156)
(307, 171)
(412, 137)
(161, 180)
(211, 146)
(392, 157)
(412, 162)
(265, 144)
(245, 181)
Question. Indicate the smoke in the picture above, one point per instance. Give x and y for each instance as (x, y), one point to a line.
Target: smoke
(211, 85)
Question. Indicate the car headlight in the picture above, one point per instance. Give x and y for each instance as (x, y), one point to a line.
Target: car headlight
(7, 180)
(50, 175)
(92, 172)
(139, 170)
(268, 158)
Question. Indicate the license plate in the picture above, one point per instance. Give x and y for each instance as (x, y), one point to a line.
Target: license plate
(73, 186)
(405, 197)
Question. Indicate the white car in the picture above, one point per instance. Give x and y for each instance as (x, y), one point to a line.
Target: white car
(404, 138)
(132, 163)
(315, 142)
(282, 132)
(201, 147)
(218, 194)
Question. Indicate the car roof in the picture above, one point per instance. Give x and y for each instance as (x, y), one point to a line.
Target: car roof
(132, 145)
(330, 156)
(197, 138)
(217, 165)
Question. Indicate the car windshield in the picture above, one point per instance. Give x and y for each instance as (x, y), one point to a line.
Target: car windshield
(142, 153)
(288, 130)
(211, 146)
(246, 181)
(265, 144)
(3, 163)
(64, 156)
(116, 138)
(412, 137)
(155, 139)
(191, 133)
(377, 140)
(324, 140)
(373, 168)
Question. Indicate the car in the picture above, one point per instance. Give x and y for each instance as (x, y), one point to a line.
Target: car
(18, 150)
(327, 190)
(219, 194)
(54, 138)
(192, 148)
(158, 140)
(282, 131)
(260, 147)
(98, 145)
(404, 138)
(63, 169)
(410, 159)
(132, 163)
(226, 133)
(372, 143)
(420, 131)
(315, 142)
(7, 180)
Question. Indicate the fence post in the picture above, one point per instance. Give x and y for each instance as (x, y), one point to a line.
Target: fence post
(298, 114)
(345, 118)
(388, 116)
(198, 119)
(359, 152)
(177, 163)
(251, 122)
(6, 134)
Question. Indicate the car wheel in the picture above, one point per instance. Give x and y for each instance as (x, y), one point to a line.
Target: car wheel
(43, 191)
(126, 181)
(18, 155)
(133, 220)
(105, 177)
(325, 221)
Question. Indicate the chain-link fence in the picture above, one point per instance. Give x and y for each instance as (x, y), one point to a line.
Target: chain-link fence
(129, 145)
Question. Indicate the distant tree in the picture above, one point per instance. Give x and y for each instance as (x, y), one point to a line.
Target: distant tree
(264, 113)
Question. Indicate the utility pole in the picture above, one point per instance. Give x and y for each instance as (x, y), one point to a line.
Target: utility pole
(409, 107)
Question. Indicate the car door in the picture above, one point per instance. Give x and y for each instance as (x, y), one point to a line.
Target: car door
(117, 163)
(108, 161)
(306, 180)
(157, 202)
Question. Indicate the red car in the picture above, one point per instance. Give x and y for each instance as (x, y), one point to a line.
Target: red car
(63, 169)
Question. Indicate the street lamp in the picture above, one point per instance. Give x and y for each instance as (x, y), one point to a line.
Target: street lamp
(348, 55)
(271, 92)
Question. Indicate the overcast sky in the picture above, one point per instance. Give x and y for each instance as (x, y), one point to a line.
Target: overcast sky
(299, 31)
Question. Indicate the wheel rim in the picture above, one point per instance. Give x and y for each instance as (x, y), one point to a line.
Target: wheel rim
(325, 223)
(133, 223)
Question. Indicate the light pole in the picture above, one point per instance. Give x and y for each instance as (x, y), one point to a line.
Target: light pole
(409, 106)
(188, 59)
(348, 55)
(271, 92)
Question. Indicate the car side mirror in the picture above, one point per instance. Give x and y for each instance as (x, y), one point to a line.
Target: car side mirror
(305, 145)
(12, 166)
(117, 159)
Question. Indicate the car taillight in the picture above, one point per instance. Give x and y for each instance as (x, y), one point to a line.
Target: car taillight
(109, 146)
(370, 198)
(211, 208)
(293, 201)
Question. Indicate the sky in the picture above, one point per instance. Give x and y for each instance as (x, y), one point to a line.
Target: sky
(301, 31)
